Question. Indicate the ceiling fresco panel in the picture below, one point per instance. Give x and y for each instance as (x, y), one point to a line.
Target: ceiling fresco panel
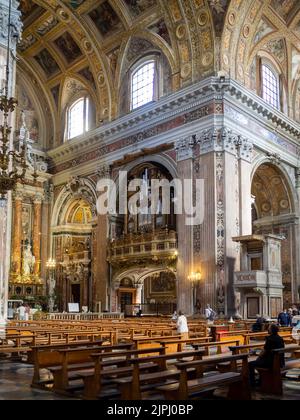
(106, 19)
(47, 62)
(68, 47)
(137, 7)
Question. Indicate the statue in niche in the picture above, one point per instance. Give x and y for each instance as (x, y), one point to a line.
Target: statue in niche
(28, 261)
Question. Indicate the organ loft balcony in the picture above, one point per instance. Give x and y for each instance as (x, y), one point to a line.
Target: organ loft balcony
(154, 247)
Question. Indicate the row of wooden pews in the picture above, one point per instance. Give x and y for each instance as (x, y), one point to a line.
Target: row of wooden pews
(133, 360)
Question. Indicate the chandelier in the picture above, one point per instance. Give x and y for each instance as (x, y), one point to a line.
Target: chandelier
(13, 163)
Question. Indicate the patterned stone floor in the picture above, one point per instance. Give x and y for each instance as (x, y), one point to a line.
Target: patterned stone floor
(15, 379)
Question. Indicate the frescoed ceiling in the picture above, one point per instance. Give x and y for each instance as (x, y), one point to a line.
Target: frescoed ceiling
(96, 41)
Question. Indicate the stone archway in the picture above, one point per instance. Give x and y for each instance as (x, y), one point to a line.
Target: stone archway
(153, 287)
(273, 211)
(72, 245)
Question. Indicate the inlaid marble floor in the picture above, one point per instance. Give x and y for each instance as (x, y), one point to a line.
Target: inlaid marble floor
(15, 379)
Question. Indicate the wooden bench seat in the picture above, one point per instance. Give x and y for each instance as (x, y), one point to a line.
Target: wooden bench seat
(43, 357)
(271, 379)
(186, 388)
(131, 387)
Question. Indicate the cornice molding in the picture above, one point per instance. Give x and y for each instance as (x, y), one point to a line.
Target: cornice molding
(198, 98)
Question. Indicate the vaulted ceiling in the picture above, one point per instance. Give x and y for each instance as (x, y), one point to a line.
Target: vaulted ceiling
(90, 44)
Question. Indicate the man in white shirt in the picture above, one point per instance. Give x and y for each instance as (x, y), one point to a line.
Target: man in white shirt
(21, 312)
(182, 326)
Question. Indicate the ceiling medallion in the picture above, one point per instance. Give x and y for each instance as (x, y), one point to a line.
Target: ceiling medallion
(207, 59)
(64, 16)
(101, 79)
(186, 70)
(246, 31)
(203, 19)
(181, 31)
(87, 46)
(231, 19)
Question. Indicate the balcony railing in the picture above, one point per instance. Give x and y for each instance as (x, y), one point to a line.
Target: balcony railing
(160, 244)
(251, 279)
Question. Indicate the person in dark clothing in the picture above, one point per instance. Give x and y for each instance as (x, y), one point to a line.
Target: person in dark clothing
(265, 359)
(284, 319)
(258, 326)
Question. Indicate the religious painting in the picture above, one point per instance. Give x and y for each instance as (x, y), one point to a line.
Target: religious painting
(163, 283)
(140, 6)
(47, 62)
(106, 19)
(160, 28)
(88, 75)
(55, 94)
(68, 47)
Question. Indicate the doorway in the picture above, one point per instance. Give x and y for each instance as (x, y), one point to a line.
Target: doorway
(75, 294)
(126, 298)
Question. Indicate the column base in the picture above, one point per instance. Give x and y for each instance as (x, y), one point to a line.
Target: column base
(3, 324)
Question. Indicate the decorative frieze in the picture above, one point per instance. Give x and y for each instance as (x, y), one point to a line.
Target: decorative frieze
(15, 27)
(185, 148)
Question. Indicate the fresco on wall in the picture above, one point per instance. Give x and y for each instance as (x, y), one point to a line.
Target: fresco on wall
(106, 19)
(68, 47)
(55, 94)
(26, 113)
(160, 28)
(88, 75)
(47, 62)
(139, 6)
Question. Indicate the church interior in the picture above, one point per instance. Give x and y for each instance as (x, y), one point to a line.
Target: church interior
(167, 296)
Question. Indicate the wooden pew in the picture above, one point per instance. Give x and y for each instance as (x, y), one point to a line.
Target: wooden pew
(238, 382)
(71, 361)
(131, 387)
(94, 379)
(271, 379)
(44, 357)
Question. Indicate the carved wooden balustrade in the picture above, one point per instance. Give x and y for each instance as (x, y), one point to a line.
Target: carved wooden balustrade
(156, 246)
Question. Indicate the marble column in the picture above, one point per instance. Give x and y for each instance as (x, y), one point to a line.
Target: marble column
(17, 236)
(36, 234)
(184, 149)
(138, 299)
(6, 204)
(101, 272)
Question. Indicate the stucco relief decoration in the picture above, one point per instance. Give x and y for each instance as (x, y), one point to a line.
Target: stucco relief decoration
(79, 188)
(277, 48)
(220, 233)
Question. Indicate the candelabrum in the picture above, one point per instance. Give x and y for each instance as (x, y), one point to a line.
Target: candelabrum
(13, 163)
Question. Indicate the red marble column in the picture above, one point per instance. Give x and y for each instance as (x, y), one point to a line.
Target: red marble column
(37, 212)
(17, 236)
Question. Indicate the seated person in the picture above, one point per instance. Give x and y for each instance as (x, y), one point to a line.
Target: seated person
(265, 359)
(258, 326)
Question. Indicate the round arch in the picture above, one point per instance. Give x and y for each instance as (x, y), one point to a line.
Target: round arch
(77, 188)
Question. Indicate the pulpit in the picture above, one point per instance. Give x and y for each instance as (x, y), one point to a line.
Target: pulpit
(259, 282)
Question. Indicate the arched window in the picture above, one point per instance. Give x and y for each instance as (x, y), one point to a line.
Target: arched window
(270, 86)
(78, 118)
(143, 84)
